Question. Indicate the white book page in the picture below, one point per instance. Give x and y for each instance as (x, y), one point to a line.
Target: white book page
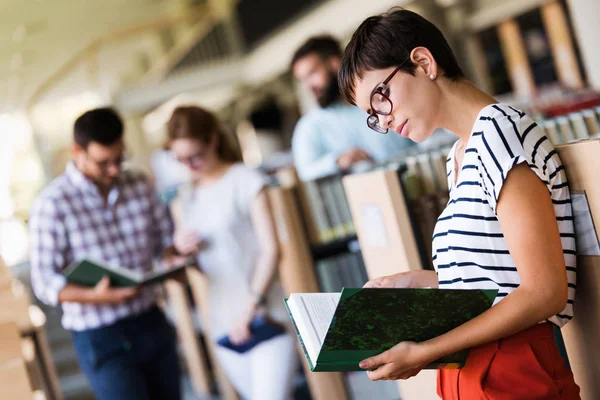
(313, 313)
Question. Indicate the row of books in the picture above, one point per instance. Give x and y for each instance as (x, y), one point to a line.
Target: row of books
(326, 210)
(425, 184)
(572, 127)
(345, 270)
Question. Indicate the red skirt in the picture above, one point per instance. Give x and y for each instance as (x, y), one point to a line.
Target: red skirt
(526, 365)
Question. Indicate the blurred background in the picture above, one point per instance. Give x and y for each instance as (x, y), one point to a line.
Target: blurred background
(145, 57)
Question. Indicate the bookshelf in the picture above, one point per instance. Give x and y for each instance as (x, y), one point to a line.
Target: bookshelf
(335, 247)
(326, 260)
(581, 334)
(297, 275)
(394, 210)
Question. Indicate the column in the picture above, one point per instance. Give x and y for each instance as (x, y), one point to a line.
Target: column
(515, 54)
(563, 52)
(584, 16)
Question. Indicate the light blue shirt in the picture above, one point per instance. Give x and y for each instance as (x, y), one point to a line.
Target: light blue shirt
(324, 134)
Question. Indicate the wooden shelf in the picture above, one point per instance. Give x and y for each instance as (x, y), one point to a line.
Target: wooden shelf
(335, 247)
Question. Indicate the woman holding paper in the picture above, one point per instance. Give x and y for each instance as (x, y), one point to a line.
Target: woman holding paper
(227, 222)
(508, 224)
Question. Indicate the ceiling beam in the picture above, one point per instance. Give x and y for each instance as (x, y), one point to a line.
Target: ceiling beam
(182, 46)
(93, 47)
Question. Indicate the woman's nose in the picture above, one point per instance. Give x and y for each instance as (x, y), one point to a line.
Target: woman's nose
(385, 121)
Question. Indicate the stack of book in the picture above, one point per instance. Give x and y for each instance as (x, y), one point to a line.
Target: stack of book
(572, 127)
(425, 183)
(325, 209)
(345, 270)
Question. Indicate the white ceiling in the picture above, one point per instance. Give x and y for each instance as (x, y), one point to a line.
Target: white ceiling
(37, 37)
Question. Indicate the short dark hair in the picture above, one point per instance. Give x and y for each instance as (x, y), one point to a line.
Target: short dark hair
(386, 40)
(324, 46)
(101, 125)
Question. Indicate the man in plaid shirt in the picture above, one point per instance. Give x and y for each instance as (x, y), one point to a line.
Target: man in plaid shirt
(100, 211)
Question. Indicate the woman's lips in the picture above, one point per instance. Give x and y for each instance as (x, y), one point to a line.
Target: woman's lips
(402, 129)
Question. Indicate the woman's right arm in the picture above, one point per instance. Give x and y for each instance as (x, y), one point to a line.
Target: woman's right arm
(405, 280)
(185, 241)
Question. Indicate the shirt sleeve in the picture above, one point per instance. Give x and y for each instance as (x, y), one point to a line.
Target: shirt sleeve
(503, 145)
(48, 246)
(311, 158)
(251, 182)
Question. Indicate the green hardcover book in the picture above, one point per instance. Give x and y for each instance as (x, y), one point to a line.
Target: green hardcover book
(88, 273)
(338, 330)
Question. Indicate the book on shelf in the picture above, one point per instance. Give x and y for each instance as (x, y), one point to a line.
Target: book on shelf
(354, 270)
(332, 207)
(441, 173)
(345, 270)
(326, 209)
(329, 276)
(344, 208)
(338, 330)
(427, 174)
(315, 212)
(363, 266)
(87, 272)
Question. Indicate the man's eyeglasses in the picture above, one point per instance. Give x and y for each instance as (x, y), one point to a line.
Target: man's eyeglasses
(104, 164)
(381, 103)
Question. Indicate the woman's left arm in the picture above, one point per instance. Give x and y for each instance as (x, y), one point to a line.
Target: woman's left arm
(262, 220)
(266, 267)
(528, 222)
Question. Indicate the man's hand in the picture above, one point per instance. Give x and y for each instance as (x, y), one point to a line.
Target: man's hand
(103, 293)
(187, 242)
(352, 156)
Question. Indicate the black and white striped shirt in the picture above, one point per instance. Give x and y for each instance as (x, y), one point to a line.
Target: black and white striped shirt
(469, 250)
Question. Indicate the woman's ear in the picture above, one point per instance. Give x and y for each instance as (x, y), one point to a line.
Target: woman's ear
(426, 64)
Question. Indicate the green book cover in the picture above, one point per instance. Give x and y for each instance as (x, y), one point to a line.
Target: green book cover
(338, 330)
(88, 273)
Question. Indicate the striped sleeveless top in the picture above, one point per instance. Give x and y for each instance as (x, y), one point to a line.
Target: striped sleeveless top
(469, 250)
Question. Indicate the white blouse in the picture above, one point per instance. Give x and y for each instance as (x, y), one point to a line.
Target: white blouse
(220, 213)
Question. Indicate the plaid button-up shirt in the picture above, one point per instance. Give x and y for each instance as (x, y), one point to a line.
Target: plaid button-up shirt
(70, 221)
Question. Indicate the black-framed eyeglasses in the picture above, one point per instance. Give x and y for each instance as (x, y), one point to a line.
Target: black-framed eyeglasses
(104, 164)
(381, 103)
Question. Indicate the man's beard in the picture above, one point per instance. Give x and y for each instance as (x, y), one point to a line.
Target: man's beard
(331, 94)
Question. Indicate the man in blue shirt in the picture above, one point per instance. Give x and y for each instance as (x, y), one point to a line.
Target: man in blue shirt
(334, 137)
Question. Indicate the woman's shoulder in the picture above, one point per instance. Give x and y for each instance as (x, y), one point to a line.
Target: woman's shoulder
(501, 125)
(244, 176)
(242, 171)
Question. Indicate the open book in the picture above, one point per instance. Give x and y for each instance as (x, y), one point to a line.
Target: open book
(338, 330)
(88, 273)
